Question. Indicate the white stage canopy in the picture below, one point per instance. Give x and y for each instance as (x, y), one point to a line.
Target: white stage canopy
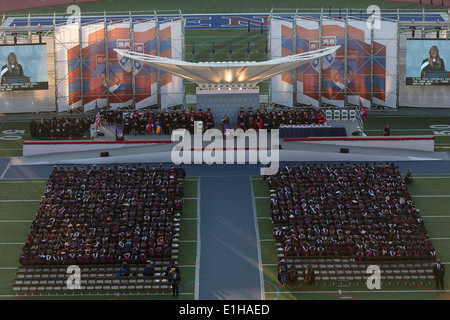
(226, 73)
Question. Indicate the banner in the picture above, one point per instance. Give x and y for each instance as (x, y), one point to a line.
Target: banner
(68, 67)
(94, 66)
(359, 63)
(145, 76)
(307, 76)
(119, 68)
(361, 85)
(171, 46)
(281, 45)
(385, 64)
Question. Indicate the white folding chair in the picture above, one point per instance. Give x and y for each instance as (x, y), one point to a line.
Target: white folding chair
(337, 115)
(329, 115)
(352, 114)
(344, 115)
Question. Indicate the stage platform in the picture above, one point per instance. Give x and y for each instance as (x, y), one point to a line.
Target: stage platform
(159, 148)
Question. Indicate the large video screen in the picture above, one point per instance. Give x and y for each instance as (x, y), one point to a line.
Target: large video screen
(24, 67)
(428, 62)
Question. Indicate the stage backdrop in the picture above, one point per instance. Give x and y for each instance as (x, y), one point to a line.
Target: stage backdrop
(281, 45)
(144, 75)
(325, 80)
(171, 42)
(90, 72)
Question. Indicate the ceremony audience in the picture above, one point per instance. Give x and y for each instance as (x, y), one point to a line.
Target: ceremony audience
(105, 215)
(361, 211)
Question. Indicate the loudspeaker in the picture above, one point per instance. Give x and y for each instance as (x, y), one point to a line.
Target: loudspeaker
(104, 154)
(344, 150)
(355, 133)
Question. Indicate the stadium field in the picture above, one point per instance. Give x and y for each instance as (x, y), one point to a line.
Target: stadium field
(437, 221)
(19, 198)
(430, 194)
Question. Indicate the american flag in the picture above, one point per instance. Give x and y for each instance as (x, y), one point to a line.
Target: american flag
(98, 117)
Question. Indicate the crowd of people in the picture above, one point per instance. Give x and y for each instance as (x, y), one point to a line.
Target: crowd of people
(60, 128)
(265, 119)
(361, 211)
(162, 122)
(105, 215)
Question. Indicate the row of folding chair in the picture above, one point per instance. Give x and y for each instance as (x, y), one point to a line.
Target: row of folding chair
(340, 115)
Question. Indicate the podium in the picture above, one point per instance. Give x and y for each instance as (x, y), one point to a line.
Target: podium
(119, 132)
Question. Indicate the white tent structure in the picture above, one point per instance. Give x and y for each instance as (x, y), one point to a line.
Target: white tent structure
(228, 74)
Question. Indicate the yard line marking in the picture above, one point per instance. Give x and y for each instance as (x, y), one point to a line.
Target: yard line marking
(431, 196)
(423, 216)
(17, 200)
(431, 177)
(31, 181)
(352, 291)
(7, 168)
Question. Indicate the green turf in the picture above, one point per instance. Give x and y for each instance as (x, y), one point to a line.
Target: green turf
(414, 125)
(18, 210)
(16, 190)
(429, 187)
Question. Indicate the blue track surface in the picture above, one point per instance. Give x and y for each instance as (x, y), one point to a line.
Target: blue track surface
(229, 265)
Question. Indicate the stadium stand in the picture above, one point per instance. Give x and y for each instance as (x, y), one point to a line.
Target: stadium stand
(342, 218)
(100, 218)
